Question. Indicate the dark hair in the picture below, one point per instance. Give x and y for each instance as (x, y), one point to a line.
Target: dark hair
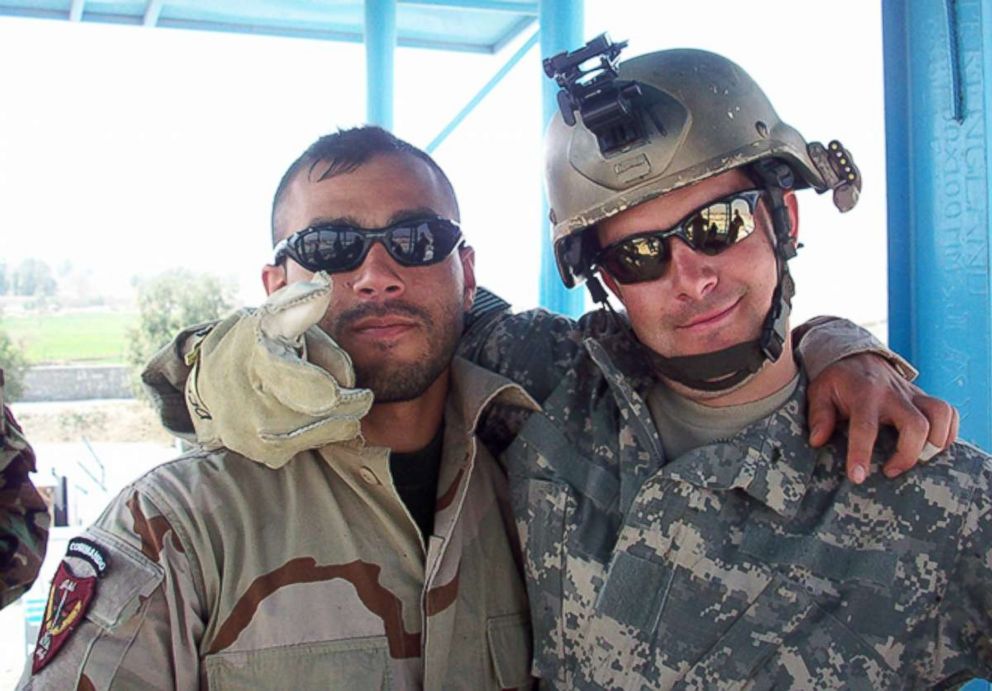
(346, 151)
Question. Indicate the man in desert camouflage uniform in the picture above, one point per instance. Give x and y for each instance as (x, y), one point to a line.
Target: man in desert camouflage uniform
(347, 567)
(24, 517)
(309, 572)
(680, 530)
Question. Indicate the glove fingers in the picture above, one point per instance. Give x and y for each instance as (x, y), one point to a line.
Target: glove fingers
(293, 309)
(350, 403)
(302, 387)
(319, 433)
(325, 353)
(275, 449)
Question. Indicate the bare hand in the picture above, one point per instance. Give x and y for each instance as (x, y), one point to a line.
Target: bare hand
(867, 390)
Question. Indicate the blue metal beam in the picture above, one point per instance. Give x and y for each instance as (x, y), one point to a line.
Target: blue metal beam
(513, 32)
(561, 29)
(938, 73)
(152, 11)
(486, 5)
(380, 51)
(483, 92)
(328, 32)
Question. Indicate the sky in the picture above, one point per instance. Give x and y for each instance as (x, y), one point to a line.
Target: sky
(128, 151)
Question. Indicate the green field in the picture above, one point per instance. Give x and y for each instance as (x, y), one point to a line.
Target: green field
(96, 337)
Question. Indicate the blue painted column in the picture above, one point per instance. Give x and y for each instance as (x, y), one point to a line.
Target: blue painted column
(380, 50)
(938, 116)
(561, 25)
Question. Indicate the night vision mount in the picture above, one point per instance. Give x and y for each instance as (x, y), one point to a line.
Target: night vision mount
(605, 102)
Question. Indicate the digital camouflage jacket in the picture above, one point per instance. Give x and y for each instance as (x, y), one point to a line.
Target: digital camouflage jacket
(223, 573)
(749, 563)
(24, 517)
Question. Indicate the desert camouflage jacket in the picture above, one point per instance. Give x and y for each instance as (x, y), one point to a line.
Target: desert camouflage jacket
(747, 563)
(24, 517)
(223, 573)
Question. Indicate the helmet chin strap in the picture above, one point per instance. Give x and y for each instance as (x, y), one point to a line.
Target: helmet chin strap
(726, 369)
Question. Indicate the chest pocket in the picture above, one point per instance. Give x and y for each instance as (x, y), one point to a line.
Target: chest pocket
(786, 640)
(731, 617)
(358, 664)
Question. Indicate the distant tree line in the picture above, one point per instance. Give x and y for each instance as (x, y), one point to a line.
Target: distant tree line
(14, 364)
(32, 277)
(168, 302)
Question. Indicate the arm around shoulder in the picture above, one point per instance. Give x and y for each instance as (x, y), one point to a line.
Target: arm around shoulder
(822, 341)
(534, 348)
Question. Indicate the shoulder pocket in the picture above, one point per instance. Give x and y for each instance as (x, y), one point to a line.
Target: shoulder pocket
(130, 576)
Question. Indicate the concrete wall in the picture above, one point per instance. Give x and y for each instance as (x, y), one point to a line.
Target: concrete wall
(76, 383)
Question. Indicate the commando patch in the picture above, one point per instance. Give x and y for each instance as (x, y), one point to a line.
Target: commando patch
(68, 599)
(90, 552)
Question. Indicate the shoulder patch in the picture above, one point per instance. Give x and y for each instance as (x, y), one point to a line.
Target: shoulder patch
(90, 552)
(68, 599)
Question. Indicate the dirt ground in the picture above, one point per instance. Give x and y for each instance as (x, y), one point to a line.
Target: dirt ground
(97, 421)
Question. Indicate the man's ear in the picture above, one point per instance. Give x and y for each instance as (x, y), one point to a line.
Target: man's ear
(273, 277)
(792, 207)
(467, 256)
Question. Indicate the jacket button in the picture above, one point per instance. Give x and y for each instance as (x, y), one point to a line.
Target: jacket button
(367, 475)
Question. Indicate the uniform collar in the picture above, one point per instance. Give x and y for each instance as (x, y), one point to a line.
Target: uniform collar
(770, 459)
(473, 389)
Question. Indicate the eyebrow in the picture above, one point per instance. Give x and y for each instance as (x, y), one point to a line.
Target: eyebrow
(398, 217)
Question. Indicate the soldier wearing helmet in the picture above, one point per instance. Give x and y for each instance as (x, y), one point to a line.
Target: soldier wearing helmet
(737, 555)
(662, 122)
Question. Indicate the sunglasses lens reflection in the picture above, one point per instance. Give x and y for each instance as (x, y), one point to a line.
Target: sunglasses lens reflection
(709, 230)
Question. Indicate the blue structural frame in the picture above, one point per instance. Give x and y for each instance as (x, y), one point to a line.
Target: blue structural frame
(561, 23)
(938, 97)
(482, 93)
(938, 120)
(380, 52)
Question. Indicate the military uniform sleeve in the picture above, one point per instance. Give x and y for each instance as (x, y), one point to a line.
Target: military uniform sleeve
(164, 379)
(125, 609)
(822, 341)
(534, 348)
(24, 517)
(965, 623)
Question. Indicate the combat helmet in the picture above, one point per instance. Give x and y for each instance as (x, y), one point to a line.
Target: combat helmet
(628, 132)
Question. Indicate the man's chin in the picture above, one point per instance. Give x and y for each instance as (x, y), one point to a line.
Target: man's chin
(397, 382)
(712, 343)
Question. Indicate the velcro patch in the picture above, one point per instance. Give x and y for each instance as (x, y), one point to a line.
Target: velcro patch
(90, 552)
(68, 600)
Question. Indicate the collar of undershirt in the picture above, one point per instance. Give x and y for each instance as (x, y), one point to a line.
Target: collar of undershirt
(418, 469)
(685, 424)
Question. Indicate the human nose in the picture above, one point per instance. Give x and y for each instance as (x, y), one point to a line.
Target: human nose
(378, 276)
(692, 273)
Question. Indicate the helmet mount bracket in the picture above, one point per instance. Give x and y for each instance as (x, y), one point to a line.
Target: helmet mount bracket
(606, 103)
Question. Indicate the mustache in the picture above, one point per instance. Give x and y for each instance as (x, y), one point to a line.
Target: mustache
(388, 308)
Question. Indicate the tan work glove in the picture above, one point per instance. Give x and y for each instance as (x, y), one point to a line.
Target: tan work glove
(253, 390)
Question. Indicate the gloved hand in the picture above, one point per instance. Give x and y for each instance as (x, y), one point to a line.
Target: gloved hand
(268, 383)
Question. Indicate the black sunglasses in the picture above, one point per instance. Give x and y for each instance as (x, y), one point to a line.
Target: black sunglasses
(337, 248)
(709, 229)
